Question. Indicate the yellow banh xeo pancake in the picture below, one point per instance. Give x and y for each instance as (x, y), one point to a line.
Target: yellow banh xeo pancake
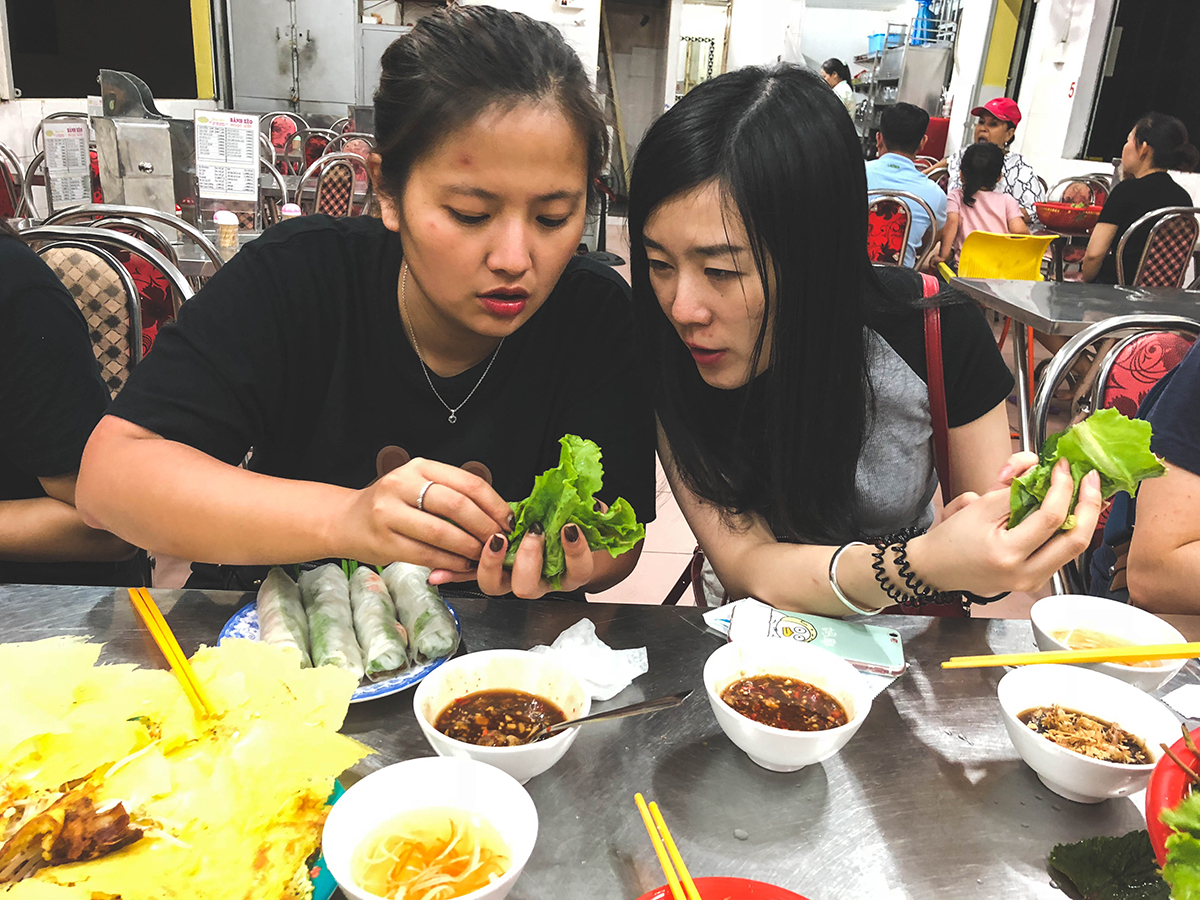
(228, 807)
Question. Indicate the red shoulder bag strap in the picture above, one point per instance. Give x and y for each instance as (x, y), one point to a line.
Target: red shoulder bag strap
(937, 390)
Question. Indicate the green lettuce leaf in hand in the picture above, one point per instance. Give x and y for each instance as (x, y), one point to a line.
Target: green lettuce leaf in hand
(1116, 447)
(566, 494)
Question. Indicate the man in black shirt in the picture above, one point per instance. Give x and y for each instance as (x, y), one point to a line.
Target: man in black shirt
(51, 396)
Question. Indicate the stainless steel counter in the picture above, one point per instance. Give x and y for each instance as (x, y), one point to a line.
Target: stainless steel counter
(928, 800)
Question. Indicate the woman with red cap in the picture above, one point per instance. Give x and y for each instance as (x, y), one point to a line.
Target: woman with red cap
(998, 120)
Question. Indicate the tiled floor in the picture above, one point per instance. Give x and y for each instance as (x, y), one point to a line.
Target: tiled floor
(669, 541)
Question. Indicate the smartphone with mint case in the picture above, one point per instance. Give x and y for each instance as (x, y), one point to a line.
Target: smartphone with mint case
(869, 648)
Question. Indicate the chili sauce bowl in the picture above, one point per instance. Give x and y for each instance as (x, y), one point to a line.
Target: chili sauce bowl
(490, 670)
(781, 749)
(431, 782)
(1073, 775)
(1120, 620)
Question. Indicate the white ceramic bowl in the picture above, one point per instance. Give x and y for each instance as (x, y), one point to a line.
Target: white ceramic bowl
(1052, 614)
(1070, 774)
(779, 749)
(495, 670)
(431, 782)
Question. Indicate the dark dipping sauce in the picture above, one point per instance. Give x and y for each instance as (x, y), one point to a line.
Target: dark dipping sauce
(500, 718)
(783, 702)
(1086, 735)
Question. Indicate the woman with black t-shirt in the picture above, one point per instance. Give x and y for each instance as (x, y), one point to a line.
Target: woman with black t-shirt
(791, 378)
(51, 397)
(1157, 143)
(460, 328)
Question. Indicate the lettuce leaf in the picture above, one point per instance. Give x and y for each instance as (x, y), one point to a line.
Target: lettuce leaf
(566, 494)
(1110, 868)
(1182, 870)
(1116, 447)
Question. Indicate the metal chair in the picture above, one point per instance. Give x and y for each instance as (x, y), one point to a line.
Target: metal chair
(12, 181)
(279, 126)
(304, 147)
(271, 208)
(928, 240)
(1168, 249)
(339, 143)
(1097, 190)
(336, 184)
(339, 125)
(889, 221)
(927, 162)
(266, 150)
(940, 175)
(107, 298)
(1069, 578)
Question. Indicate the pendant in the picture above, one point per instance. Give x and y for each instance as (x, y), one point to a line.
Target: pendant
(453, 418)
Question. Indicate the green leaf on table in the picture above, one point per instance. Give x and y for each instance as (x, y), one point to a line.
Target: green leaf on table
(1182, 871)
(1118, 448)
(565, 494)
(1111, 868)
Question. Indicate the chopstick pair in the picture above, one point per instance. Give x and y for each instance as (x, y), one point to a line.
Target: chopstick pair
(149, 612)
(681, 885)
(1100, 654)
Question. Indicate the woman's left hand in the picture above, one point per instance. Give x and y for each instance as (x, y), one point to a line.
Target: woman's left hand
(525, 580)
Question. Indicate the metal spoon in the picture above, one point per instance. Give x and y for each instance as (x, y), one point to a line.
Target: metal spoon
(634, 709)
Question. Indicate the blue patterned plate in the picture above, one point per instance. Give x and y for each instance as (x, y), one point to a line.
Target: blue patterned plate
(244, 624)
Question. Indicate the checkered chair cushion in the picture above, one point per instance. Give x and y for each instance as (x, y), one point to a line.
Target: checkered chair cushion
(1167, 252)
(887, 231)
(335, 188)
(99, 291)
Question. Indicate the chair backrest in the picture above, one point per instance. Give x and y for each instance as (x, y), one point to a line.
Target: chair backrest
(270, 206)
(107, 298)
(340, 125)
(157, 298)
(336, 184)
(11, 181)
(1135, 365)
(889, 220)
(929, 238)
(1079, 189)
(1014, 257)
(90, 212)
(940, 175)
(926, 162)
(357, 142)
(304, 147)
(1168, 249)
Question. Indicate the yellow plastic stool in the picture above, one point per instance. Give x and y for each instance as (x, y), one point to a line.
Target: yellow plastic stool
(1014, 257)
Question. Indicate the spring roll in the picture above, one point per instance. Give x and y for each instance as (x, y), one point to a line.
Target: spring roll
(381, 638)
(281, 618)
(422, 612)
(326, 596)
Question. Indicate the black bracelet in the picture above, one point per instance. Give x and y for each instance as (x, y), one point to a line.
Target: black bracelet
(917, 587)
(898, 542)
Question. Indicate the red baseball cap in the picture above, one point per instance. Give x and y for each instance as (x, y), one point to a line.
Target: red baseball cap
(1002, 108)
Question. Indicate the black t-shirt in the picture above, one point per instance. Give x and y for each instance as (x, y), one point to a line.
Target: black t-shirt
(296, 348)
(1128, 202)
(51, 397)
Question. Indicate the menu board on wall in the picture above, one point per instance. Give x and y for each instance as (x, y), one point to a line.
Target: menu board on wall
(68, 169)
(226, 155)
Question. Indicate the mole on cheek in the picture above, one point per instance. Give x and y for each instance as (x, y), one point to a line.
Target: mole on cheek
(465, 160)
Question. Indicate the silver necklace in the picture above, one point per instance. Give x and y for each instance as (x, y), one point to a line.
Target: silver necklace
(424, 368)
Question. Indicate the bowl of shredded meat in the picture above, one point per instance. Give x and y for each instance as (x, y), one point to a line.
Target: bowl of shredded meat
(1087, 735)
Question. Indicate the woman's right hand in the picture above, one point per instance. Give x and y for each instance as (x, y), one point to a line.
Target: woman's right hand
(974, 550)
(457, 514)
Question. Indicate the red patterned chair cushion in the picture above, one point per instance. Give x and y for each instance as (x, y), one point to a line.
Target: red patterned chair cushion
(1138, 366)
(94, 163)
(887, 232)
(282, 128)
(1167, 252)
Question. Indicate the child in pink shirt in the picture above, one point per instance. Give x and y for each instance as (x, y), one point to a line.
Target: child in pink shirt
(976, 206)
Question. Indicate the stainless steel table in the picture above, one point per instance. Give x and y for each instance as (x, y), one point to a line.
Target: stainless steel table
(929, 800)
(1066, 308)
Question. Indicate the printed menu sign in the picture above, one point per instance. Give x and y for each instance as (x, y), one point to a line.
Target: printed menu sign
(68, 169)
(227, 155)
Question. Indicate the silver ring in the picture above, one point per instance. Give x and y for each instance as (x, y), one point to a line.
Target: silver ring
(421, 496)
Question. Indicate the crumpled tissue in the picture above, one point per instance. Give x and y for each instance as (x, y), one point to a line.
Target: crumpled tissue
(605, 672)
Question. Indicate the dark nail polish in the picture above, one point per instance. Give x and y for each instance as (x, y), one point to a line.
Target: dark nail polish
(571, 533)
(536, 528)
(496, 544)
(512, 521)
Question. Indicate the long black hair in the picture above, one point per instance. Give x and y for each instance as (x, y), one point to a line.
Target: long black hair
(835, 66)
(982, 166)
(1168, 138)
(459, 62)
(786, 157)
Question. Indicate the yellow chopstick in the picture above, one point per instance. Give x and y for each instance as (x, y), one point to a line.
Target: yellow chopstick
(1101, 654)
(685, 878)
(663, 859)
(150, 614)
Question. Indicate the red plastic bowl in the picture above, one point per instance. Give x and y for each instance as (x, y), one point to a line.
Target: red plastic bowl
(1066, 217)
(728, 889)
(1167, 786)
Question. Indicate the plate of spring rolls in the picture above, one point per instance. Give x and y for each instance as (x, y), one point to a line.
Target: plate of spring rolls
(389, 629)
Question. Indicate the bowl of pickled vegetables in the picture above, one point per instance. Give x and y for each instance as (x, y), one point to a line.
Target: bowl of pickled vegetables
(491, 705)
(787, 705)
(431, 829)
